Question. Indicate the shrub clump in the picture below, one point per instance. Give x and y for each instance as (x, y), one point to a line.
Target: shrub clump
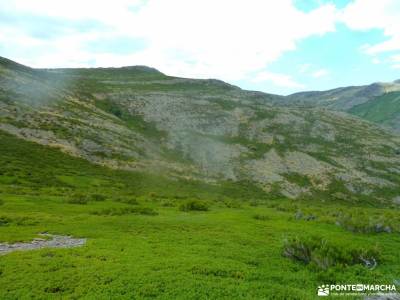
(126, 211)
(19, 221)
(4, 221)
(285, 207)
(254, 203)
(300, 216)
(98, 197)
(322, 254)
(25, 221)
(261, 217)
(1, 202)
(194, 205)
(131, 201)
(78, 199)
(362, 223)
(168, 203)
(232, 203)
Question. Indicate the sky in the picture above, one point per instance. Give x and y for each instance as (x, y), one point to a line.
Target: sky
(275, 46)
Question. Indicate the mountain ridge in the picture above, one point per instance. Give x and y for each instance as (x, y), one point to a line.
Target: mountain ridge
(201, 130)
(353, 99)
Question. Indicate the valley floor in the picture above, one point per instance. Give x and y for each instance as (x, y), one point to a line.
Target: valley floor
(152, 238)
(223, 253)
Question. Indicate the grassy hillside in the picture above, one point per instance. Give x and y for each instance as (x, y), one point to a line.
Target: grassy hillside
(28, 167)
(144, 243)
(138, 119)
(383, 110)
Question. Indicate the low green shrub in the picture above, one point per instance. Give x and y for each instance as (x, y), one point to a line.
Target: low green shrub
(114, 211)
(146, 211)
(131, 201)
(98, 197)
(232, 203)
(254, 203)
(322, 254)
(168, 203)
(285, 207)
(299, 215)
(25, 221)
(261, 217)
(363, 223)
(1, 202)
(78, 199)
(217, 272)
(194, 205)
(4, 221)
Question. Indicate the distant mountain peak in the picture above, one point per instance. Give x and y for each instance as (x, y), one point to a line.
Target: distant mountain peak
(141, 68)
(9, 64)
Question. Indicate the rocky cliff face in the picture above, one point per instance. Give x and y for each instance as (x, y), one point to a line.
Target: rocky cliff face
(138, 118)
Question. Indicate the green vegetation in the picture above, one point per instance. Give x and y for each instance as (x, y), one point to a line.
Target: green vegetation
(27, 167)
(361, 221)
(131, 201)
(126, 211)
(193, 205)
(261, 217)
(383, 110)
(98, 197)
(134, 122)
(142, 245)
(179, 231)
(323, 254)
(78, 199)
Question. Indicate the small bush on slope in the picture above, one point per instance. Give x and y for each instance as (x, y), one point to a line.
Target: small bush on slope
(261, 217)
(322, 254)
(78, 199)
(98, 197)
(194, 205)
(126, 211)
(4, 220)
(131, 201)
(362, 223)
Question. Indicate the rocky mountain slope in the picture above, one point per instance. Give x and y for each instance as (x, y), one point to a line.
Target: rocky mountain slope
(136, 118)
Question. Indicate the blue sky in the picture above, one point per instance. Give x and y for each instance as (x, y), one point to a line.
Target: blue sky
(274, 46)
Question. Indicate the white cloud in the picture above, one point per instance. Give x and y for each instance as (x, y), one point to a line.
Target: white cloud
(376, 61)
(395, 61)
(304, 68)
(313, 71)
(396, 58)
(375, 14)
(226, 39)
(320, 73)
(103, 10)
(277, 79)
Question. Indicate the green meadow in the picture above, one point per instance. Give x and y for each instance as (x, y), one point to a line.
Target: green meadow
(150, 237)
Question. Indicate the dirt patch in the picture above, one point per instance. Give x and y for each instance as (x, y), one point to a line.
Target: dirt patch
(48, 241)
